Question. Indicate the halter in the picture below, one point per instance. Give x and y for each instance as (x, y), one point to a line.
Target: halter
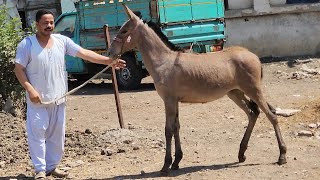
(124, 39)
(128, 37)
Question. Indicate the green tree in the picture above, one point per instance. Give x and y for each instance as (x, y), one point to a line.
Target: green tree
(10, 36)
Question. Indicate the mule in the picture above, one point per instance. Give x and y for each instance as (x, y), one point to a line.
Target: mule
(197, 78)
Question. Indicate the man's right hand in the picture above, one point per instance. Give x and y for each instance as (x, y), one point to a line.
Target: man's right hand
(34, 96)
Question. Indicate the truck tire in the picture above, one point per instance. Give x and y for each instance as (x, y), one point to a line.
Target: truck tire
(129, 78)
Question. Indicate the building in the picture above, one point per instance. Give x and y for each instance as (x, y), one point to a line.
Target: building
(274, 28)
(26, 9)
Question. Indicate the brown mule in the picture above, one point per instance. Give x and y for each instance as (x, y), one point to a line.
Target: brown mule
(197, 78)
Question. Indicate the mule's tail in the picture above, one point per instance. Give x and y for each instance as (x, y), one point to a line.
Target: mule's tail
(253, 104)
(254, 107)
(272, 109)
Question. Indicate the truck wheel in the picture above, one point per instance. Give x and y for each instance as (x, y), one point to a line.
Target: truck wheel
(129, 78)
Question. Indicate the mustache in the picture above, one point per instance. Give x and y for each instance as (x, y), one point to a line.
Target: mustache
(48, 28)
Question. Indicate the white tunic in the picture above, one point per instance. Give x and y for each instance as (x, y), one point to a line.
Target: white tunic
(45, 67)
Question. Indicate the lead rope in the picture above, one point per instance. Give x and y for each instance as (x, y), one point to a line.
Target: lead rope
(77, 88)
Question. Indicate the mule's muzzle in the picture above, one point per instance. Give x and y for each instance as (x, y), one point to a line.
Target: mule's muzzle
(110, 53)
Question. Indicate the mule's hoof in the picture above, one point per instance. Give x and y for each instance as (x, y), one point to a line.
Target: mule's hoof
(164, 172)
(282, 161)
(242, 159)
(174, 167)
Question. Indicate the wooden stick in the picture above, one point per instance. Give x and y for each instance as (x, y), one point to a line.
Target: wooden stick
(114, 80)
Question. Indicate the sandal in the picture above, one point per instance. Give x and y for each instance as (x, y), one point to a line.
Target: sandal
(58, 173)
(40, 175)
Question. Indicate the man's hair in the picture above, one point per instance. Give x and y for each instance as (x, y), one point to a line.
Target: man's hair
(42, 12)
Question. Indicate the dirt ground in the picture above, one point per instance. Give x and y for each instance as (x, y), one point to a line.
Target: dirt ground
(96, 148)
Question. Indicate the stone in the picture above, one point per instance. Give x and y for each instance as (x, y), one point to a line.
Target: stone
(120, 150)
(127, 141)
(107, 152)
(88, 131)
(312, 126)
(305, 133)
(286, 112)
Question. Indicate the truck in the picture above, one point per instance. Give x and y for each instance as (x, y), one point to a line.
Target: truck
(193, 25)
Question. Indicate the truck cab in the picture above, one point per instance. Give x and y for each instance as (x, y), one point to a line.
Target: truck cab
(195, 25)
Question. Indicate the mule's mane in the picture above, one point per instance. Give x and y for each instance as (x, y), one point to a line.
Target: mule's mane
(156, 28)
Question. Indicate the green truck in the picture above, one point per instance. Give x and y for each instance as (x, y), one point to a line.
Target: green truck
(196, 25)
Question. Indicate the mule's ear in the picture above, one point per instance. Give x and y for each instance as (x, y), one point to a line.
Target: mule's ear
(130, 14)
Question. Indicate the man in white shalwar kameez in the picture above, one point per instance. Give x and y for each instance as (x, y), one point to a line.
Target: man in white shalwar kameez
(41, 70)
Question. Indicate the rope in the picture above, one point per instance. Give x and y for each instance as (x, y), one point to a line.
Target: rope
(77, 88)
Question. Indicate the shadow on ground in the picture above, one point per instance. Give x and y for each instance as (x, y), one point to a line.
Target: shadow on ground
(106, 88)
(181, 171)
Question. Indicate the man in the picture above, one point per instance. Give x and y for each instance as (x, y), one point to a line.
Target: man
(40, 68)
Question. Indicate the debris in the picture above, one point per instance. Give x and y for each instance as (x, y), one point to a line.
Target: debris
(286, 112)
(309, 71)
(230, 117)
(120, 150)
(312, 126)
(127, 141)
(88, 131)
(305, 133)
(2, 164)
(8, 107)
(299, 75)
(298, 61)
(65, 168)
(107, 152)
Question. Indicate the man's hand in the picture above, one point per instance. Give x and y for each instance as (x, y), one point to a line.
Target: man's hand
(119, 63)
(34, 96)
(100, 59)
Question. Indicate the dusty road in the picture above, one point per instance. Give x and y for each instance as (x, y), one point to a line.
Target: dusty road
(96, 148)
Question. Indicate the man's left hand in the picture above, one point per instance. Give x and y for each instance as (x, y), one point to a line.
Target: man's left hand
(119, 63)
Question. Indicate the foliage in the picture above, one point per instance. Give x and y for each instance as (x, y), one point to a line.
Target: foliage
(11, 35)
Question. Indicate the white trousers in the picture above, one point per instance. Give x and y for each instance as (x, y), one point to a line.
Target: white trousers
(46, 135)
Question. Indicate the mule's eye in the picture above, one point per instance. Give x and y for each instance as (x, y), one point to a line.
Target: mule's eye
(123, 32)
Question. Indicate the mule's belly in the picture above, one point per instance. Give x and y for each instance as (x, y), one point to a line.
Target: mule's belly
(202, 97)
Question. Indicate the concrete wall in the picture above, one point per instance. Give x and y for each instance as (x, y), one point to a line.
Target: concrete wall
(288, 30)
(30, 7)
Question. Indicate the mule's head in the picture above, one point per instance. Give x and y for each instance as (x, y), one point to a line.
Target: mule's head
(125, 40)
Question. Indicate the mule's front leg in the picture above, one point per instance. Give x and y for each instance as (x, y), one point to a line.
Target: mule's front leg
(170, 109)
(178, 153)
(167, 158)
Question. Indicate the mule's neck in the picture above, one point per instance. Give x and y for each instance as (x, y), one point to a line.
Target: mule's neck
(153, 50)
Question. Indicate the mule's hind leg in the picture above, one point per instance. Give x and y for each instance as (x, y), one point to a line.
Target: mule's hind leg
(270, 113)
(252, 111)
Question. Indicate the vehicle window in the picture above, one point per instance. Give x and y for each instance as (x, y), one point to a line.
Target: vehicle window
(301, 1)
(65, 26)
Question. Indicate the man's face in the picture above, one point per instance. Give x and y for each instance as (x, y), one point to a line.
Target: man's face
(45, 25)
